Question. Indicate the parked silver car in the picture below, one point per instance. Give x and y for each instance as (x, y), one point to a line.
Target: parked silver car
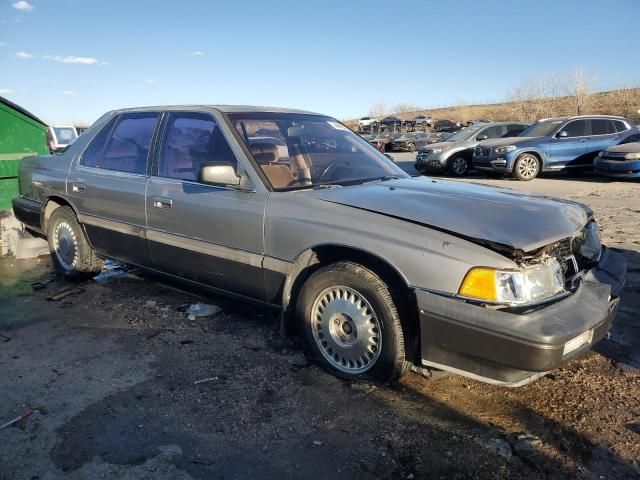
(376, 270)
(455, 154)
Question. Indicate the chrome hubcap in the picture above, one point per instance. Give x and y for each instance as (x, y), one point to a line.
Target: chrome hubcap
(346, 329)
(528, 167)
(459, 166)
(65, 244)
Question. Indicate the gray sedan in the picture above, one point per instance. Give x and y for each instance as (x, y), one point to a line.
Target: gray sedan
(376, 270)
(454, 155)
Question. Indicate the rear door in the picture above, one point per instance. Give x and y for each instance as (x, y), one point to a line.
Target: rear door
(603, 136)
(570, 151)
(108, 185)
(204, 233)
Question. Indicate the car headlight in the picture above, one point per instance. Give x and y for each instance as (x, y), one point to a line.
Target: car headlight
(528, 285)
(601, 153)
(441, 149)
(632, 156)
(591, 247)
(506, 149)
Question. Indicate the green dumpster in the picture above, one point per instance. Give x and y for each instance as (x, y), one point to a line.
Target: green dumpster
(21, 134)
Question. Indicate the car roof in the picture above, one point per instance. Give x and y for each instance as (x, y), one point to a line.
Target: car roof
(220, 108)
(574, 117)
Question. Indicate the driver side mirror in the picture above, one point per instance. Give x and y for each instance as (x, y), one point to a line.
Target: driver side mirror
(562, 134)
(482, 137)
(219, 174)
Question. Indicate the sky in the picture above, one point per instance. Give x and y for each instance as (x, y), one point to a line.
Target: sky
(72, 60)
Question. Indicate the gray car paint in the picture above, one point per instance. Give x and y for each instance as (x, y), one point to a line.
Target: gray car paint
(425, 230)
(466, 146)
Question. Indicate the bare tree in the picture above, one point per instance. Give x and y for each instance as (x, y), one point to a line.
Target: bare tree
(378, 109)
(404, 108)
(624, 98)
(581, 88)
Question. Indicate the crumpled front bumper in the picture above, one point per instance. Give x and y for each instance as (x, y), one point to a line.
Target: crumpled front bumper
(511, 348)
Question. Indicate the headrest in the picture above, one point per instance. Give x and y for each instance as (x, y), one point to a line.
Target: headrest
(265, 152)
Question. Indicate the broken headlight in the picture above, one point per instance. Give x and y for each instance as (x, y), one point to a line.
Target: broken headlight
(591, 247)
(528, 285)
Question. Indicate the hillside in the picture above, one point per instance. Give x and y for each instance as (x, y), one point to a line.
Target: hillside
(620, 102)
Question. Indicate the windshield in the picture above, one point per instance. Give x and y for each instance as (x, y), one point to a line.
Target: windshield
(541, 129)
(65, 135)
(312, 151)
(464, 134)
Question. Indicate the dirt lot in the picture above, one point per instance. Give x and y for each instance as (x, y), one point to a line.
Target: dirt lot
(124, 385)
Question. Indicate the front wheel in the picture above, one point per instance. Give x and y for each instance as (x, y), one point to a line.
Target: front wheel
(526, 167)
(458, 166)
(72, 255)
(351, 324)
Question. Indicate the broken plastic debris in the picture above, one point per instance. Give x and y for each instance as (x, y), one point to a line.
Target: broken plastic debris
(110, 270)
(24, 414)
(202, 310)
(150, 304)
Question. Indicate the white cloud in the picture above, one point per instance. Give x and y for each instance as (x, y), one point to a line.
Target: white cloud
(24, 55)
(23, 5)
(4, 91)
(68, 92)
(197, 53)
(71, 59)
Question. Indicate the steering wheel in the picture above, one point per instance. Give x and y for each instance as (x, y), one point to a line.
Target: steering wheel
(331, 167)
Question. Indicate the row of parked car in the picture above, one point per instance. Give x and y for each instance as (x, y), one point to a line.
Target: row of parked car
(371, 125)
(610, 145)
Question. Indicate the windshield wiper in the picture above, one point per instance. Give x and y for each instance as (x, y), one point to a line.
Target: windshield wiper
(389, 177)
(326, 185)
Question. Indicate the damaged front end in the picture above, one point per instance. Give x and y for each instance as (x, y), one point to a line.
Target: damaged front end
(511, 327)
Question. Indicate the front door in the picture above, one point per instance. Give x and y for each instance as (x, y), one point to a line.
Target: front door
(212, 235)
(570, 150)
(107, 186)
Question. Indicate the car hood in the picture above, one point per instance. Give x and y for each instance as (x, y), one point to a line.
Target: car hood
(625, 148)
(439, 145)
(485, 214)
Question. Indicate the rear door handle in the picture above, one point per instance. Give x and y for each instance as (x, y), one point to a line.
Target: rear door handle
(78, 187)
(161, 202)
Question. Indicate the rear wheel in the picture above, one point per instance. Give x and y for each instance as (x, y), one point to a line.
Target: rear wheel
(351, 323)
(458, 166)
(526, 167)
(72, 255)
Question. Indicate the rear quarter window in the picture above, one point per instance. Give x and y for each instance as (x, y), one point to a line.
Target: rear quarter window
(93, 153)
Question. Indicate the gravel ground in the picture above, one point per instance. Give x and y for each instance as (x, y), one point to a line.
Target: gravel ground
(124, 385)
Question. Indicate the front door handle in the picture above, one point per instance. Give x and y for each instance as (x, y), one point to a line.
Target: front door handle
(583, 139)
(161, 202)
(78, 187)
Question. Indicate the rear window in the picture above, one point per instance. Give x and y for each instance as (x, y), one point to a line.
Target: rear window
(600, 126)
(620, 126)
(91, 156)
(128, 147)
(65, 135)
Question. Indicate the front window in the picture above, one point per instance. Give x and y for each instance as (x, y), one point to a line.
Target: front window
(464, 134)
(297, 151)
(541, 129)
(65, 135)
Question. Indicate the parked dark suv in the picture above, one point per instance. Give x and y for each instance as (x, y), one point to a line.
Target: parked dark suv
(445, 126)
(553, 144)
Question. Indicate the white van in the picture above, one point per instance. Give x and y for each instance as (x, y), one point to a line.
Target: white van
(61, 137)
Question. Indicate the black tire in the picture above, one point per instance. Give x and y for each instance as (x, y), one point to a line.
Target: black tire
(526, 167)
(458, 166)
(72, 255)
(370, 294)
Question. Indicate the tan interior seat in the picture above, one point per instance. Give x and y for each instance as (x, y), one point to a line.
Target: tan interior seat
(267, 156)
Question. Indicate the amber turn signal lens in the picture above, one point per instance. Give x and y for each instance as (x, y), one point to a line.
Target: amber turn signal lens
(480, 283)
